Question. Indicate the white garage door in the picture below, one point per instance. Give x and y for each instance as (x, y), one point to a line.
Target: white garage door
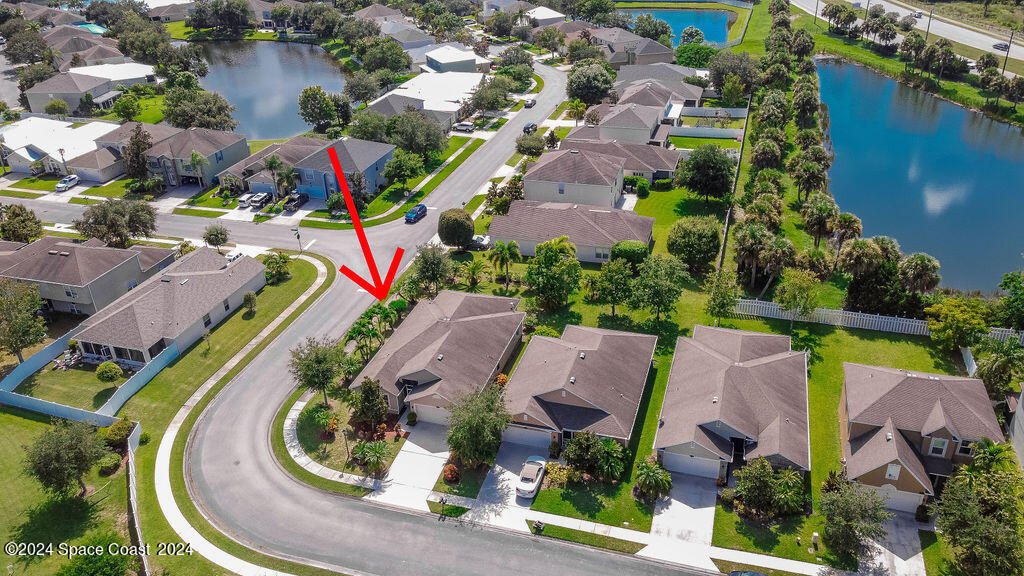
(516, 435)
(686, 464)
(427, 413)
(897, 500)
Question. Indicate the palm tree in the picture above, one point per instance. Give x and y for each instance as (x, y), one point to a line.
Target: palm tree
(652, 479)
(503, 255)
(196, 163)
(819, 211)
(989, 456)
(577, 110)
(776, 255)
(348, 365)
(751, 240)
(919, 272)
(287, 178)
(860, 257)
(846, 226)
(273, 164)
(472, 271)
(808, 177)
(999, 363)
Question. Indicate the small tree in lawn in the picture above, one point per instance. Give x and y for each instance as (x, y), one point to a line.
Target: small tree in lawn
(707, 172)
(554, 273)
(370, 405)
(136, 162)
(756, 486)
(614, 283)
(798, 293)
(127, 107)
(659, 284)
(215, 235)
(455, 227)
(62, 455)
(403, 166)
(477, 421)
(503, 255)
(853, 515)
(314, 365)
(722, 295)
(957, 322)
(249, 302)
(583, 451)
(695, 240)
(20, 327)
(652, 480)
(434, 266)
(108, 372)
(278, 265)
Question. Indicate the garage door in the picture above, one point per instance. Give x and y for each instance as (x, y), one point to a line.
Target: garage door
(686, 464)
(427, 413)
(898, 500)
(517, 435)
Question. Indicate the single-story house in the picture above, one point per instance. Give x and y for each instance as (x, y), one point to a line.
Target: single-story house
(576, 177)
(451, 59)
(91, 48)
(406, 34)
(171, 12)
(46, 15)
(593, 229)
(544, 16)
(733, 396)
(589, 380)
(316, 173)
(643, 51)
(171, 157)
(632, 123)
(445, 348)
(643, 160)
(52, 142)
(571, 28)
(902, 432)
(99, 81)
(80, 277)
(175, 307)
(440, 95)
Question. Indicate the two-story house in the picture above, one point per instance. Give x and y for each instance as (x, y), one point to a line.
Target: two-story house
(171, 158)
(316, 172)
(106, 161)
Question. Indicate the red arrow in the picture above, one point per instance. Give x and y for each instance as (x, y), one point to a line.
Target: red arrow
(378, 289)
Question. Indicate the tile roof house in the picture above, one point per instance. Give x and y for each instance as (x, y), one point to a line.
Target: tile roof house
(732, 396)
(593, 229)
(588, 380)
(576, 177)
(170, 158)
(902, 432)
(173, 308)
(445, 348)
(52, 142)
(316, 173)
(644, 160)
(80, 277)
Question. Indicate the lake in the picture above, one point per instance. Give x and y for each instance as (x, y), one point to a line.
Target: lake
(713, 23)
(263, 80)
(937, 177)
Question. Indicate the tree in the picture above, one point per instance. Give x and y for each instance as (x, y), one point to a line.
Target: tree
(659, 284)
(766, 154)
(919, 272)
(370, 405)
(215, 235)
(502, 255)
(845, 227)
(109, 372)
(185, 108)
(614, 282)
(1012, 305)
(368, 125)
(493, 93)
(576, 110)
(611, 461)
(707, 172)
(551, 139)
(127, 107)
(999, 363)
(853, 515)
(403, 166)
(798, 293)
(732, 91)
(691, 35)
(197, 164)
(694, 55)
(819, 211)
(361, 87)
(583, 451)
(57, 108)
(433, 266)
(742, 65)
(116, 221)
(530, 144)
(20, 327)
(274, 165)
(62, 455)
(316, 108)
(476, 423)
(757, 486)
(25, 47)
(554, 273)
(648, 26)
(20, 224)
(549, 38)
(588, 82)
(382, 52)
(249, 302)
(722, 296)
(802, 44)
(416, 133)
(136, 162)
(956, 322)
(314, 365)
(652, 481)
(455, 227)
(277, 264)
(775, 256)
(97, 564)
(860, 258)
(695, 240)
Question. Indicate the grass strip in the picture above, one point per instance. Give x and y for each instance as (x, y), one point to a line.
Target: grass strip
(199, 213)
(20, 194)
(587, 538)
(450, 510)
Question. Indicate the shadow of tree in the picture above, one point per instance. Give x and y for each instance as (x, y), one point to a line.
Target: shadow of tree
(101, 397)
(58, 519)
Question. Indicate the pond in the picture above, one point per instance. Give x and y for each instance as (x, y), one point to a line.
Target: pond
(263, 80)
(713, 23)
(937, 177)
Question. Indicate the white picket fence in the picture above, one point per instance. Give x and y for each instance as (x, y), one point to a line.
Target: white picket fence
(848, 319)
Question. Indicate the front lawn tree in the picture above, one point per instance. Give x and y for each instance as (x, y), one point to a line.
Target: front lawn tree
(659, 284)
(554, 273)
(707, 172)
(589, 82)
(20, 224)
(503, 255)
(403, 166)
(314, 365)
(116, 221)
(614, 282)
(455, 227)
(957, 322)
(416, 133)
(476, 423)
(434, 266)
(370, 404)
(798, 293)
(853, 515)
(62, 455)
(215, 235)
(136, 162)
(20, 327)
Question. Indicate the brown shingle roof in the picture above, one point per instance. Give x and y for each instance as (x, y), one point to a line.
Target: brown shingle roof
(576, 166)
(872, 450)
(584, 225)
(750, 381)
(376, 11)
(615, 35)
(101, 158)
(157, 132)
(203, 140)
(638, 157)
(290, 152)
(632, 116)
(604, 371)
(61, 261)
(67, 82)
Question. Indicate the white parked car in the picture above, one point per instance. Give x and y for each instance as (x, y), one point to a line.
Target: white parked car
(67, 182)
(531, 477)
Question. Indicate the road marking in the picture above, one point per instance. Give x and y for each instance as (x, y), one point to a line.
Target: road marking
(311, 242)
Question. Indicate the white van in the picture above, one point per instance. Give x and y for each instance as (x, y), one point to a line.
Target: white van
(243, 200)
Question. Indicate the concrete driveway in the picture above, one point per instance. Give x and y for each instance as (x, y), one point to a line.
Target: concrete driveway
(683, 523)
(412, 475)
(899, 552)
(500, 485)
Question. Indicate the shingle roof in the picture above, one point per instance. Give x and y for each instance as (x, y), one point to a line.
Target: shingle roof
(203, 140)
(67, 82)
(919, 401)
(584, 225)
(61, 261)
(101, 158)
(576, 166)
(289, 152)
(376, 11)
(52, 15)
(877, 448)
(605, 371)
(179, 11)
(638, 157)
(614, 35)
(568, 26)
(354, 155)
(157, 132)
(168, 303)
(662, 71)
(649, 47)
(650, 93)
(750, 381)
(92, 53)
(457, 337)
(394, 104)
(676, 90)
(632, 116)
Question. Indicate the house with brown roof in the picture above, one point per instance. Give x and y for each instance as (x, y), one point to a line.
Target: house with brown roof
(251, 175)
(171, 12)
(593, 229)
(46, 15)
(733, 396)
(642, 51)
(576, 177)
(376, 12)
(106, 162)
(171, 157)
(643, 160)
(902, 432)
(80, 277)
(445, 348)
(91, 48)
(588, 380)
(173, 308)
(630, 122)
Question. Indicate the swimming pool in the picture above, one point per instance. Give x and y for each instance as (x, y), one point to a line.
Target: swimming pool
(94, 28)
(713, 23)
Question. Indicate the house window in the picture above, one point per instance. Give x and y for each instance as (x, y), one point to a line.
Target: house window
(70, 292)
(561, 188)
(122, 353)
(603, 254)
(938, 447)
(88, 348)
(220, 156)
(892, 472)
(966, 448)
(206, 320)
(74, 309)
(136, 356)
(226, 305)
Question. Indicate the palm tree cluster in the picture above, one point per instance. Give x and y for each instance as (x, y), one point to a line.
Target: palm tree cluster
(369, 330)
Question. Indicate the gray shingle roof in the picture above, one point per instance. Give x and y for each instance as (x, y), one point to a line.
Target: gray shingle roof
(289, 152)
(648, 47)
(62, 261)
(584, 225)
(749, 381)
(604, 371)
(576, 166)
(354, 155)
(394, 104)
(67, 82)
(632, 116)
(157, 132)
(638, 157)
(202, 140)
(376, 11)
(661, 71)
(615, 35)
(101, 158)
(677, 90)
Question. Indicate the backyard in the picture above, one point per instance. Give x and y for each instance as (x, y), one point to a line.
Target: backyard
(77, 386)
(57, 325)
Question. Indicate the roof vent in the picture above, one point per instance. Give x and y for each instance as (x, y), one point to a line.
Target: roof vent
(572, 379)
(440, 357)
(583, 355)
(52, 252)
(888, 436)
(714, 400)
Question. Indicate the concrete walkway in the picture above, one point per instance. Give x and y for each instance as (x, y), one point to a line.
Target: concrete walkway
(162, 480)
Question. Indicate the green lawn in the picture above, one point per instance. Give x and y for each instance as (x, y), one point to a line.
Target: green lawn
(468, 485)
(77, 387)
(449, 510)
(28, 514)
(537, 86)
(211, 199)
(332, 452)
(86, 201)
(475, 203)
(151, 109)
(200, 213)
(45, 182)
(562, 132)
(726, 567)
(113, 189)
(257, 145)
(559, 111)
(668, 206)
(588, 538)
(936, 554)
(20, 194)
(733, 123)
(517, 106)
(693, 142)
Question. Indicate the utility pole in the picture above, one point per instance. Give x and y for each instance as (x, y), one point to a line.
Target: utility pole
(298, 237)
(929, 28)
(1008, 46)
(816, 12)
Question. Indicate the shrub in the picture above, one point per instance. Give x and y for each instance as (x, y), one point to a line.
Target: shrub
(73, 345)
(116, 436)
(109, 372)
(530, 144)
(373, 455)
(109, 464)
(451, 473)
(455, 227)
(631, 181)
(583, 451)
(728, 497)
(643, 188)
(554, 450)
(662, 184)
(546, 331)
(632, 251)
(695, 240)
(652, 480)
(411, 419)
(556, 474)
(144, 438)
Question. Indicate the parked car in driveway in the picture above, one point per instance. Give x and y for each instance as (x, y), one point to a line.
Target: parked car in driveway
(416, 214)
(67, 182)
(1001, 46)
(296, 200)
(530, 128)
(531, 476)
(480, 242)
(259, 200)
(244, 199)
(463, 127)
